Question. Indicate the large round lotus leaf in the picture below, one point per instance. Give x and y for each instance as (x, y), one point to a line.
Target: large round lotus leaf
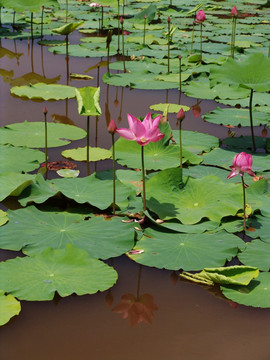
(157, 155)
(9, 307)
(28, 5)
(224, 158)
(95, 154)
(44, 91)
(244, 143)
(67, 271)
(94, 191)
(235, 117)
(258, 99)
(15, 159)
(38, 191)
(252, 73)
(31, 134)
(196, 142)
(256, 294)
(32, 231)
(257, 253)
(13, 184)
(258, 196)
(195, 199)
(259, 226)
(174, 251)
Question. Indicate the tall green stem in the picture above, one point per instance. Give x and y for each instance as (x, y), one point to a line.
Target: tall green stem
(233, 36)
(123, 47)
(32, 34)
(46, 143)
(66, 10)
(41, 25)
(192, 38)
(143, 179)
(88, 144)
(244, 201)
(144, 28)
(118, 26)
(181, 151)
(201, 42)
(113, 155)
(169, 28)
(251, 120)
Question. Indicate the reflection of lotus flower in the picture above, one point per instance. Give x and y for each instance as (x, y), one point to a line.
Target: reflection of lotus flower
(136, 309)
(200, 17)
(142, 131)
(196, 110)
(242, 163)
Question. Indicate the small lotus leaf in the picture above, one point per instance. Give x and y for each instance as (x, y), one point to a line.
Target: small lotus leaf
(9, 307)
(172, 108)
(44, 91)
(95, 154)
(33, 231)
(68, 173)
(67, 271)
(3, 217)
(174, 251)
(256, 294)
(31, 134)
(88, 101)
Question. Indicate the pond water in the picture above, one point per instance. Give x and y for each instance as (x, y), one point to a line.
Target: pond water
(188, 321)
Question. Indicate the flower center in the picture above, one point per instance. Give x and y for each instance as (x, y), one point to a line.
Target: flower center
(143, 139)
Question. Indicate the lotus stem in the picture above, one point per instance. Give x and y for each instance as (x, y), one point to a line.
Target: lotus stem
(118, 26)
(251, 120)
(13, 21)
(233, 36)
(201, 42)
(66, 10)
(144, 28)
(46, 139)
(244, 201)
(0, 15)
(41, 25)
(123, 43)
(67, 59)
(169, 29)
(108, 42)
(143, 178)
(192, 38)
(88, 144)
(180, 73)
(269, 50)
(102, 17)
(31, 24)
(113, 155)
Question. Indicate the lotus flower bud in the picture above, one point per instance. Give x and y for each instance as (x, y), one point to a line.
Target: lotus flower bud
(112, 127)
(121, 20)
(234, 11)
(45, 111)
(180, 115)
(200, 17)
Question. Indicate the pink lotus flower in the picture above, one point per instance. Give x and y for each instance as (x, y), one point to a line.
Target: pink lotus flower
(142, 131)
(94, 4)
(200, 17)
(242, 163)
(234, 11)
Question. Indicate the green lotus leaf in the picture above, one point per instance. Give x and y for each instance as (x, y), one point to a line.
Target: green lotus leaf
(174, 251)
(149, 13)
(258, 196)
(95, 154)
(31, 134)
(157, 155)
(256, 253)
(259, 226)
(68, 173)
(38, 191)
(15, 159)
(232, 275)
(224, 158)
(195, 199)
(28, 5)
(3, 217)
(244, 143)
(173, 77)
(88, 101)
(251, 73)
(256, 294)
(93, 190)
(67, 28)
(235, 117)
(196, 142)
(67, 271)
(44, 91)
(53, 42)
(9, 307)
(258, 99)
(12, 184)
(149, 39)
(172, 108)
(39, 230)
(81, 77)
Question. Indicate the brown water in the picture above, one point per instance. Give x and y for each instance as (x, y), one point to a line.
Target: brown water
(189, 322)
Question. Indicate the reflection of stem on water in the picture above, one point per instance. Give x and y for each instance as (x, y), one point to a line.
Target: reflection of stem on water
(15, 50)
(66, 107)
(32, 55)
(121, 105)
(139, 282)
(42, 61)
(98, 75)
(88, 144)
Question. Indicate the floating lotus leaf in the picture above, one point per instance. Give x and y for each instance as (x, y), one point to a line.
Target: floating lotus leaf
(81, 77)
(68, 173)
(258, 196)
(256, 253)
(67, 28)
(15, 159)
(224, 158)
(258, 99)
(13, 184)
(259, 226)
(67, 271)
(174, 77)
(174, 251)
(44, 91)
(149, 39)
(244, 143)
(38, 191)
(93, 190)
(251, 73)
(196, 142)
(31, 134)
(208, 197)
(53, 42)
(232, 275)
(28, 5)
(256, 294)
(95, 154)
(88, 101)
(157, 155)
(9, 307)
(100, 237)
(173, 108)
(3, 217)
(235, 117)
(149, 13)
